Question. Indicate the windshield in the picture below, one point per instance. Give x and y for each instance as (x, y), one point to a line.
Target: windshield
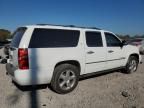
(17, 35)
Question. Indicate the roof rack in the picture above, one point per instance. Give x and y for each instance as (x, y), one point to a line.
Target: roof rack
(69, 26)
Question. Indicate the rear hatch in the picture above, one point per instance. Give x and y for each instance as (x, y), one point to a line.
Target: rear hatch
(13, 50)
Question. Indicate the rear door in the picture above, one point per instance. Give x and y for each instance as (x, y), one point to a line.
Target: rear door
(13, 51)
(95, 52)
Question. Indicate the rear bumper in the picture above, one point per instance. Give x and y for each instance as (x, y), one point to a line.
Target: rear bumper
(28, 77)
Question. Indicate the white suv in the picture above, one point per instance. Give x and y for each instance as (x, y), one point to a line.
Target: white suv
(59, 55)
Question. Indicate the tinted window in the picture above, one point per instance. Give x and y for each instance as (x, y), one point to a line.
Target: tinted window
(17, 35)
(94, 39)
(42, 38)
(112, 40)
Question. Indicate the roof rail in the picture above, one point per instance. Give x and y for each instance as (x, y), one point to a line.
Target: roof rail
(69, 26)
(48, 24)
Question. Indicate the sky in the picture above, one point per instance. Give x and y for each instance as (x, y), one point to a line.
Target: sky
(119, 16)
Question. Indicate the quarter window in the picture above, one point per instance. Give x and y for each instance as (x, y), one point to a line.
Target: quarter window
(94, 39)
(47, 38)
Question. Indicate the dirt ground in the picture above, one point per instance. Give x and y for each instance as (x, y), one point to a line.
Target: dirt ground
(113, 90)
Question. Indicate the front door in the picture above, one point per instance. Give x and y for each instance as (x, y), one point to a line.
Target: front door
(115, 56)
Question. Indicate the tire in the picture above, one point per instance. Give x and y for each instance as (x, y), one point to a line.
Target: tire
(131, 65)
(65, 78)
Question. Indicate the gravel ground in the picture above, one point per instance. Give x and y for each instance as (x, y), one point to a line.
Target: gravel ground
(113, 90)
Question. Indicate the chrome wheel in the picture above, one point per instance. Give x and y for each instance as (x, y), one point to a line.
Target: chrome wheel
(133, 65)
(67, 80)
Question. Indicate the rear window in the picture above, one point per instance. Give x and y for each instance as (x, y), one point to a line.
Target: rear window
(17, 35)
(50, 38)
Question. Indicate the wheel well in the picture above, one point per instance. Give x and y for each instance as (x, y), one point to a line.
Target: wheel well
(135, 55)
(72, 62)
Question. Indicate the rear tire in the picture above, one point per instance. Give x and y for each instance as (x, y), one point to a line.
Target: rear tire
(65, 78)
(131, 65)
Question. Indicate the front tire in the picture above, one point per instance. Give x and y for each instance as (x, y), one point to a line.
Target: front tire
(131, 65)
(65, 78)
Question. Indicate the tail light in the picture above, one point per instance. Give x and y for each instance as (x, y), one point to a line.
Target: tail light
(23, 58)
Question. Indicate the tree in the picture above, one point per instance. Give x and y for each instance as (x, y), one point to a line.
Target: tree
(4, 34)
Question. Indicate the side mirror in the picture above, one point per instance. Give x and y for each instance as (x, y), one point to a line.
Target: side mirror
(123, 43)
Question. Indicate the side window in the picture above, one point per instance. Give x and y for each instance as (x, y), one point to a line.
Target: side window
(94, 39)
(112, 40)
(51, 38)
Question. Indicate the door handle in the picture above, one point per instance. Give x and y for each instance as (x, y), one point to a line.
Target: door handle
(110, 51)
(90, 52)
